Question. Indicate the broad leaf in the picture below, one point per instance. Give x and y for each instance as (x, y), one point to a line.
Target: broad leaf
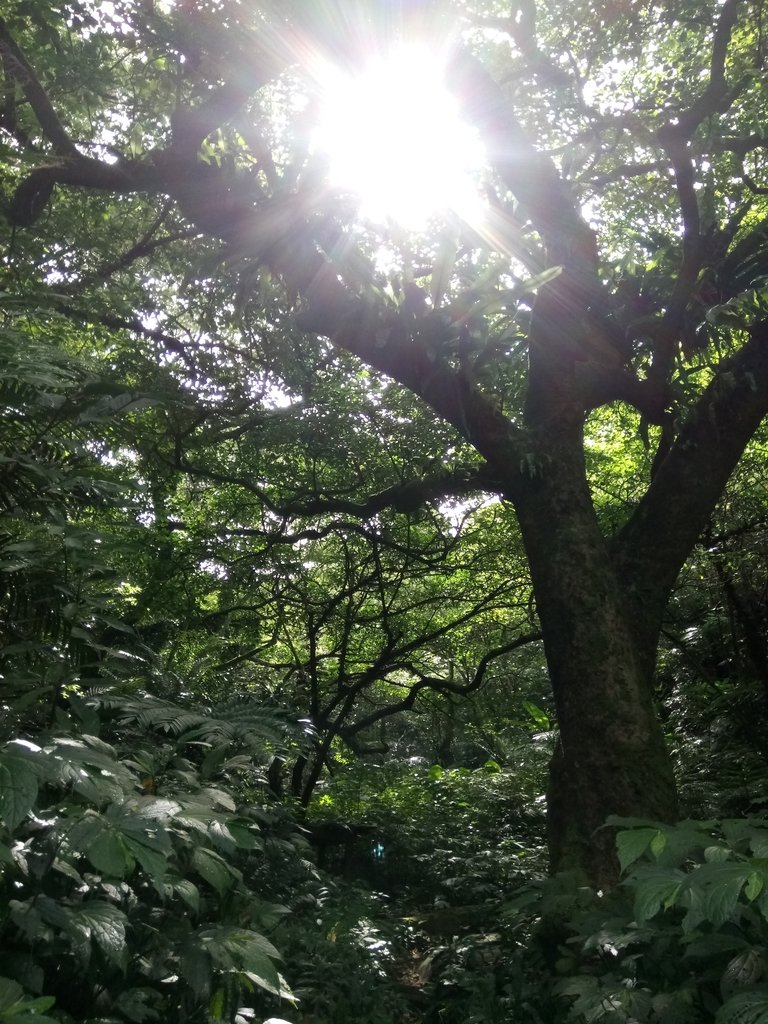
(633, 843)
(656, 889)
(110, 854)
(745, 1008)
(213, 869)
(18, 789)
(105, 924)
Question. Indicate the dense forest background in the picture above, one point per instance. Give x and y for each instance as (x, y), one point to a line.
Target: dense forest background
(384, 609)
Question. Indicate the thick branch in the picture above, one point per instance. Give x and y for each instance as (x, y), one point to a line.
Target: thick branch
(623, 172)
(192, 125)
(690, 265)
(576, 362)
(657, 539)
(741, 145)
(522, 30)
(531, 176)
(144, 247)
(17, 65)
(403, 497)
(716, 98)
(754, 188)
(272, 538)
(674, 137)
(80, 171)
(389, 346)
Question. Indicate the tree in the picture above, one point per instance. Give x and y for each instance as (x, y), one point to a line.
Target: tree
(656, 305)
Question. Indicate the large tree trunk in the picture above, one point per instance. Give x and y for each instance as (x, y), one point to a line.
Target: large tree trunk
(611, 756)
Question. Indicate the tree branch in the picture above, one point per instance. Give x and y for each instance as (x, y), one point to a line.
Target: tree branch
(17, 65)
(674, 138)
(32, 195)
(402, 497)
(740, 145)
(133, 324)
(144, 247)
(622, 172)
(531, 176)
(438, 685)
(716, 97)
(690, 264)
(274, 538)
(666, 524)
(575, 360)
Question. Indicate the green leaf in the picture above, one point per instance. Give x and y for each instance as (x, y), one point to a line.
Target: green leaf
(746, 968)
(633, 843)
(722, 897)
(758, 844)
(693, 900)
(271, 981)
(539, 716)
(10, 992)
(714, 944)
(237, 950)
(213, 869)
(23, 1015)
(754, 886)
(189, 893)
(139, 1004)
(195, 967)
(106, 925)
(658, 844)
(157, 809)
(216, 1004)
(656, 888)
(222, 837)
(109, 854)
(717, 854)
(154, 862)
(244, 834)
(745, 1008)
(532, 284)
(18, 789)
(444, 262)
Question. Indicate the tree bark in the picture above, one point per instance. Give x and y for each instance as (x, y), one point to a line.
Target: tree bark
(611, 757)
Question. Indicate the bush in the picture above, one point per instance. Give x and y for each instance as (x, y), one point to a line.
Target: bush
(683, 938)
(135, 879)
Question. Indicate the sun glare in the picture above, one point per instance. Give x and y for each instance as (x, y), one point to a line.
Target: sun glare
(393, 134)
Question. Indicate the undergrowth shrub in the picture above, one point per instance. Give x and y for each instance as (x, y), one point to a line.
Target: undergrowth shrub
(683, 938)
(133, 874)
(441, 836)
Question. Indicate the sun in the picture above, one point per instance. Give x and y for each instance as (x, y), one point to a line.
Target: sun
(393, 135)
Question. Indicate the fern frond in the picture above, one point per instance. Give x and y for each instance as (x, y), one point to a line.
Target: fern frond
(239, 720)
